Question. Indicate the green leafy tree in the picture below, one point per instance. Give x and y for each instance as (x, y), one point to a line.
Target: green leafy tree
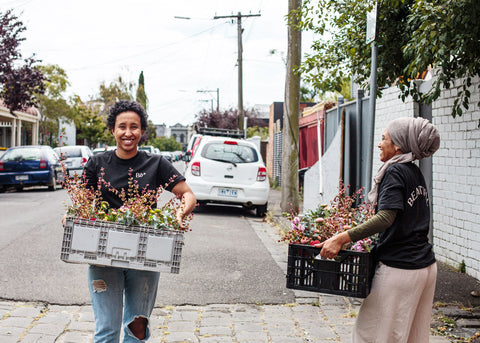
(52, 104)
(262, 132)
(412, 36)
(307, 94)
(114, 91)
(149, 134)
(141, 95)
(89, 124)
(166, 144)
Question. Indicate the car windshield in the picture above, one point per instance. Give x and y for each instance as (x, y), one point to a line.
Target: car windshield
(231, 153)
(27, 154)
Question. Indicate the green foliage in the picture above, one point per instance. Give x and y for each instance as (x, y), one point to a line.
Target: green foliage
(52, 104)
(56, 80)
(463, 267)
(90, 125)
(141, 95)
(149, 134)
(412, 35)
(262, 132)
(166, 144)
(314, 95)
(307, 94)
(116, 90)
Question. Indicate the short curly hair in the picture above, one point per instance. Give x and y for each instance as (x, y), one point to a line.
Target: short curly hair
(122, 106)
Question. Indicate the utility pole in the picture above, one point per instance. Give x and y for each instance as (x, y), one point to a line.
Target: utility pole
(239, 16)
(290, 188)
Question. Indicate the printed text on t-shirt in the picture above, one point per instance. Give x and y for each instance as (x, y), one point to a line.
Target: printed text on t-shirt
(419, 191)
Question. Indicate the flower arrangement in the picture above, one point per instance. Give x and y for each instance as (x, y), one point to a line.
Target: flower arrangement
(138, 205)
(316, 226)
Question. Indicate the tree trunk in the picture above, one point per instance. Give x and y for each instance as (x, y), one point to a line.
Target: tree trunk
(290, 148)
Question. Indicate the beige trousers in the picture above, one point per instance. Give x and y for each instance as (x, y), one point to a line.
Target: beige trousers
(398, 308)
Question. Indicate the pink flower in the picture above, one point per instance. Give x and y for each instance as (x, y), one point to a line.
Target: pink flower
(319, 220)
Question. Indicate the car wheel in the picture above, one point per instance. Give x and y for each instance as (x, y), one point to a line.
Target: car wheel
(261, 210)
(53, 186)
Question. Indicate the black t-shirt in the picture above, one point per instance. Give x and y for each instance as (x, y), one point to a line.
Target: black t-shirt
(149, 170)
(405, 244)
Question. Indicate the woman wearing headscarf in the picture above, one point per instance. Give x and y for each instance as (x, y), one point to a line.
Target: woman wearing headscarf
(398, 308)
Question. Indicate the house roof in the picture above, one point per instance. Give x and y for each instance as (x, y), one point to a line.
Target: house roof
(29, 110)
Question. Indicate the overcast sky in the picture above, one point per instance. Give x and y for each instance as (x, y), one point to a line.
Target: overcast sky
(97, 41)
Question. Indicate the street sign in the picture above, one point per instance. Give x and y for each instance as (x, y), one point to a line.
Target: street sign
(371, 24)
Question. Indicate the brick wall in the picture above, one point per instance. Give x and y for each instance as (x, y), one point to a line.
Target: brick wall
(456, 174)
(456, 183)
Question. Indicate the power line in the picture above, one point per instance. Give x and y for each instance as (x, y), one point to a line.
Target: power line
(239, 17)
(148, 51)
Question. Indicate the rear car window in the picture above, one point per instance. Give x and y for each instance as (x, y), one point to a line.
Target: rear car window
(69, 152)
(234, 153)
(27, 154)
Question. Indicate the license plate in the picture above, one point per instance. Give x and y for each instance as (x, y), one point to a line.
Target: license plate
(21, 177)
(227, 192)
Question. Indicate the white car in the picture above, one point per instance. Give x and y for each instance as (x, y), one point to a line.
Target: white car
(103, 149)
(149, 148)
(228, 171)
(74, 157)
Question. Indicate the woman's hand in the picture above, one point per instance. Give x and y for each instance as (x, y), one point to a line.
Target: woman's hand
(183, 191)
(332, 246)
(64, 219)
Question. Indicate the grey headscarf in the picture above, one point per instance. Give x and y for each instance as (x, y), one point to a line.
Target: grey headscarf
(416, 137)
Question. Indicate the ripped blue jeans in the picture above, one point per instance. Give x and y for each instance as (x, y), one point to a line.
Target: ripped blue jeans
(108, 288)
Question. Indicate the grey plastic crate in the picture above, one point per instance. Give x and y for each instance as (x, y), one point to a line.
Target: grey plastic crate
(113, 244)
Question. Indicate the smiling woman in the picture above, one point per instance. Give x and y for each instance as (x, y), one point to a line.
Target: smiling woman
(119, 169)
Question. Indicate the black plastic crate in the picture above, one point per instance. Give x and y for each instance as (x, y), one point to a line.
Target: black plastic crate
(350, 274)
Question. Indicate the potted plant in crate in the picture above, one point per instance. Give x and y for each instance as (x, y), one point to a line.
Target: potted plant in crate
(139, 207)
(350, 273)
(137, 235)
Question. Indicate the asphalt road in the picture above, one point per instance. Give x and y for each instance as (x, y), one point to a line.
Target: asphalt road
(223, 260)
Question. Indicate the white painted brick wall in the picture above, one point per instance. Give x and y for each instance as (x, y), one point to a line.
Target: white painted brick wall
(456, 210)
(456, 174)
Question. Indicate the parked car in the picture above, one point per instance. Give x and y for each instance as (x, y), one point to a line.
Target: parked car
(148, 148)
(228, 171)
(74, 157)
(167, 155)
(30, 165)
(103, 149)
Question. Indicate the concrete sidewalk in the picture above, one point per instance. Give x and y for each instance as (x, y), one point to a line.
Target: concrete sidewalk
(312, 318)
